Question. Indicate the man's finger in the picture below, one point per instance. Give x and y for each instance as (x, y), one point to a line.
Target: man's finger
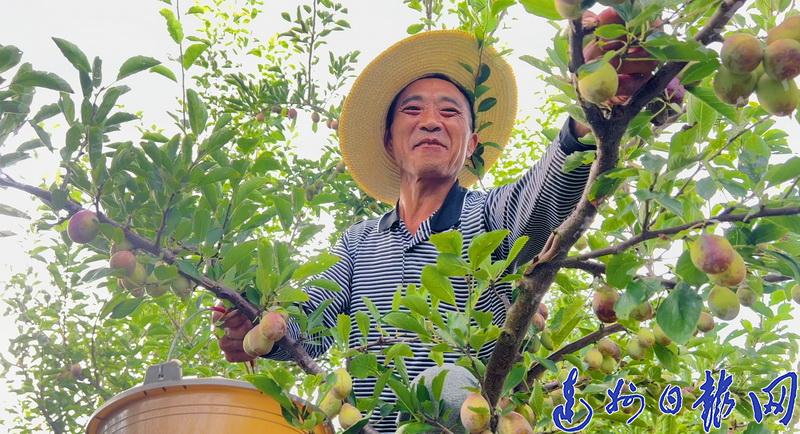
(231, 344)
(236, 320)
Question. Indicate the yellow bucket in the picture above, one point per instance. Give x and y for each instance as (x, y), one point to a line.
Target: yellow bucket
(193, 405)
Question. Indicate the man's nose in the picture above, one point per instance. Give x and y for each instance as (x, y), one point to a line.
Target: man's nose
(430, 121)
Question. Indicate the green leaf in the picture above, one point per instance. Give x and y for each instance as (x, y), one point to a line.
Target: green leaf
(448, 242)
(542, 8)
(192, 53)
(198, 114)
(292, 295)
(667, 47)
(120, 117)
(669, 203)
(791, 222)
(46, 112)
(125, 307)
(30, 145)
(9, 159)
(109, 99)
(328, 284)
(44, 136)
(237, 254)
(343, 328)
(578, 159)
(707, 96)
(610, 31)
(218, 139)
(483, 245)
(699, 71)
(765, 232)
(285, 214)
(537, 63)
(270, 388)
(174, 26)
(74, 55)
(166, 72)
(487, 104)
(404, 321)
(686, 270)
(438, 285)
(519, 243)
(605, 184)
(667, 358)
(16, 107)
(483, 74)
(621, 269)
(12, 212)
(136, 64)
(679, 312)
(788, 170)
(315, 266)
(415, 28)
(46, 80)
(9, 57)
(514, 377)
(756, 428)
(363, 365)
(97, 72)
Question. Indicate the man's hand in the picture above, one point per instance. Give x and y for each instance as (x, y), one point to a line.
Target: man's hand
(236, 326)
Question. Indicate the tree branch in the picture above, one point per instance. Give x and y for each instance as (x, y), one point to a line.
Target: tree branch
(722, 217)
(538, 369)
(299, 355)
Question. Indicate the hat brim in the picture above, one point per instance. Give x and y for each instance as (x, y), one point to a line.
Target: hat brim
(363, 119)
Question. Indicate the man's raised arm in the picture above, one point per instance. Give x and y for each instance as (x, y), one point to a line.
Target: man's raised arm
(542, 198)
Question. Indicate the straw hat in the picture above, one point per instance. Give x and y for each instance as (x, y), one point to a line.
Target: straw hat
(451, 52)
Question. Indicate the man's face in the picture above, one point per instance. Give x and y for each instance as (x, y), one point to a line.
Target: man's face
(430, 135)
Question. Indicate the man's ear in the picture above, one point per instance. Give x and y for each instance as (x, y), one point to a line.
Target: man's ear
(472, 145)
(387, 144)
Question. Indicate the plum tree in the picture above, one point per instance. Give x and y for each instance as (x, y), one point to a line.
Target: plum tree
(221, 201)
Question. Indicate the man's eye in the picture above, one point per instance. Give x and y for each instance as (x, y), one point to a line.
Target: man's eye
(411, 107)
(450, 111)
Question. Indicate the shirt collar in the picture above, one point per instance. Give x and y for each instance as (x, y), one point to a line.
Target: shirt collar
(448, 215)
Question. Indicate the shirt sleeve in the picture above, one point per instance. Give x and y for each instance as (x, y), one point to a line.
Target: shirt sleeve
(316, 345)
(540, 200)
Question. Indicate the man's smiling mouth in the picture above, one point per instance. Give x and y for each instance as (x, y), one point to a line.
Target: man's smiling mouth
(429, 142)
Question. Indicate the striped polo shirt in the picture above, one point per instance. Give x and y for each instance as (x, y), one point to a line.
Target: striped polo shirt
(380, 254)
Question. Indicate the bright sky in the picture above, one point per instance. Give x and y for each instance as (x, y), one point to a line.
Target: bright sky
(116, 30)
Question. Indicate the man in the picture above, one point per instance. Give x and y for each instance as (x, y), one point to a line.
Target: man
(413, 99)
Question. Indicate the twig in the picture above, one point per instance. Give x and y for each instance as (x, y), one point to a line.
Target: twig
(725, 216)
(537, 369)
